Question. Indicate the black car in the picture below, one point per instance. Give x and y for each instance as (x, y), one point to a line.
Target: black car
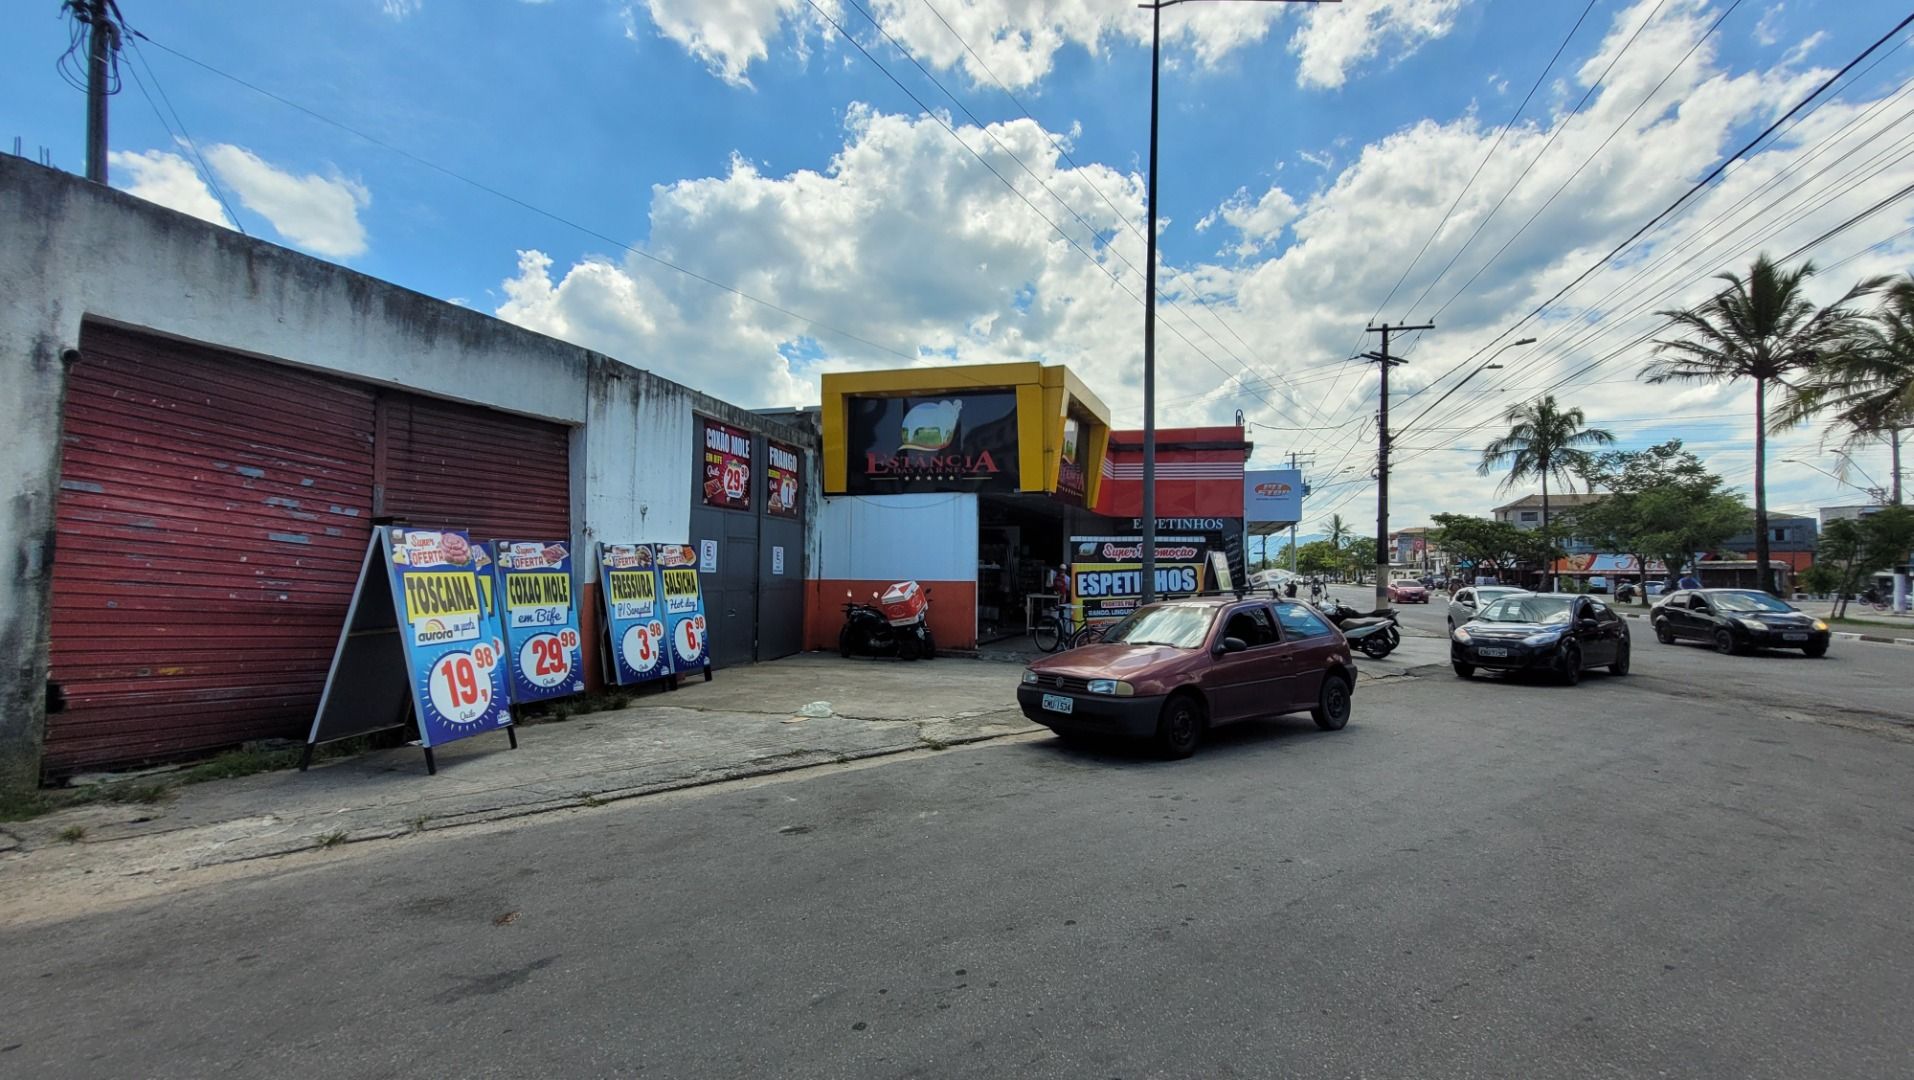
(1558, 633)
(1737, 621)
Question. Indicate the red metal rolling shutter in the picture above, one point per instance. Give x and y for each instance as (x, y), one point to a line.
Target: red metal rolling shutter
(212, 517)
(430, 452)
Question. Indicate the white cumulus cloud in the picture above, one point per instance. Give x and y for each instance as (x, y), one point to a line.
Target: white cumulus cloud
(317, 213)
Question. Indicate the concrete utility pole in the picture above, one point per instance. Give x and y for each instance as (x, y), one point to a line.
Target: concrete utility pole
(1149, 301)
(1382, 457)
(103, 40)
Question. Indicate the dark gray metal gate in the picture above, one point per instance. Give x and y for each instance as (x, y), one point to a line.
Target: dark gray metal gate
(754, 601)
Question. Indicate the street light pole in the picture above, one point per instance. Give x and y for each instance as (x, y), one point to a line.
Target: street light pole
(1149, 300)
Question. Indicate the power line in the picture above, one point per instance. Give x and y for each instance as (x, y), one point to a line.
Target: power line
(205, 170)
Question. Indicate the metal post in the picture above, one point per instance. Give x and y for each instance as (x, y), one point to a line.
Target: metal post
(1382, 459)
(1149, 329)
(99, 44)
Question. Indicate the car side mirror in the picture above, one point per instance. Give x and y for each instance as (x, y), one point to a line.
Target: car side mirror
(1230, 645)
(1589, 624)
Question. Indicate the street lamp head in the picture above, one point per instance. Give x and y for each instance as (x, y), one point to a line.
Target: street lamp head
(1526, 341)
(1492, 367)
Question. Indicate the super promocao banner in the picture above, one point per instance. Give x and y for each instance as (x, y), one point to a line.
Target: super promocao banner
(1106, 572)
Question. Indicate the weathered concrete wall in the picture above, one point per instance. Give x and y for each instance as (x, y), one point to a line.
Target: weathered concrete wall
(71, 250)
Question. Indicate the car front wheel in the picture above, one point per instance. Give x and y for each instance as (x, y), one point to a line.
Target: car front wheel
(1725, 642)
(1180, 727)
(1569, 664)
(1332, 704)
(1815, 651)
(1663, 633)
(1620, 666)
(1463, 671)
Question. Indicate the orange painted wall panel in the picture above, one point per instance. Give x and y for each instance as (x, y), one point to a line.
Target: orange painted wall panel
(953, 610)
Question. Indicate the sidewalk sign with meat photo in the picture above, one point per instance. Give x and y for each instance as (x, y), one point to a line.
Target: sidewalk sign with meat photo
(634, 620)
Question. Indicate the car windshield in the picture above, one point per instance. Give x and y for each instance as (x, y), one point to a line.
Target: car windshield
(1183, 626)
(1748, 601)
(1526, 609)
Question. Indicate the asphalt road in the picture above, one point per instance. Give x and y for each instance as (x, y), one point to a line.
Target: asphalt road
(1636, 877)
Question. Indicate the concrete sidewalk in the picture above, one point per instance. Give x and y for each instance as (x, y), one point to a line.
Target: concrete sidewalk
(744, 723)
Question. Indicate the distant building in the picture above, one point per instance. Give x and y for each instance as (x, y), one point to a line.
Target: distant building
(1526, 512)
(1792, 539)
(1413, 549)
(1848, 513)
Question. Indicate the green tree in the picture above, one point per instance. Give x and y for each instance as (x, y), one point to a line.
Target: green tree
(1869, 387)
(1761, 328)
(1493, 545)
(1544, 442)
(1338, 532)
(1665, 506)
(1852, 550)
(1319, 557)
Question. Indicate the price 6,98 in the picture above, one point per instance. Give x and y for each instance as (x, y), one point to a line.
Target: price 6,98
(459, 692)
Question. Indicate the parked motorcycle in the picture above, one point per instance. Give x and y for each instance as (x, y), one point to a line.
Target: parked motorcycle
(1377, 634)
(898, 624)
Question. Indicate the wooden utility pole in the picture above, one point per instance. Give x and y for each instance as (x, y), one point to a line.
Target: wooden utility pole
(1382, 457)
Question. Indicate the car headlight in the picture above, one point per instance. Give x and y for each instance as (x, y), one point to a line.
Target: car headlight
(1539, 640)
(1820, 625)
(1753, 624)
(1462, 633)
(1113, 687)
(1030, 678)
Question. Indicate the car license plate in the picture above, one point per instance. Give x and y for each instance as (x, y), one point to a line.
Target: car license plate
(1492, 652)
(1794, 637)
(1059, 703)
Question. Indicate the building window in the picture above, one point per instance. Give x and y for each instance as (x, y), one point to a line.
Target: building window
(1531, 515)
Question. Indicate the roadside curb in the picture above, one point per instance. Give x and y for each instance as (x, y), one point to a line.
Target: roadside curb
(762, 767)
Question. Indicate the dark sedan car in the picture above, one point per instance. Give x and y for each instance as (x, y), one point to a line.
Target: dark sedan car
(1558, 633)
(1738, 621)
(1170, 671)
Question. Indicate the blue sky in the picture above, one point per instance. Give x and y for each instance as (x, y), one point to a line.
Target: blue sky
(1306, 158)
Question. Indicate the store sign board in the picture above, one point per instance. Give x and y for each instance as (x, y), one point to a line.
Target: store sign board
(1273, 495)
(1070, 475)
(727, 465)
(540, 619)
(634, 618)
(941, 442)
(420, 641)
(783, 472)
(685, 624)
(1106, 572)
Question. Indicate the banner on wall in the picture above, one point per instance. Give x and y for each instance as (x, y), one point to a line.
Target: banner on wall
(685, 625)
(782, 470)
(421, 643)
(1106, 572)
(634, 617)
(1070, 472)
(939, 442)
(727, 465)
(542, 648)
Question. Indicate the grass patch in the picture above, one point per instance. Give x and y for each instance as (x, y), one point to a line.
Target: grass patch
(73, 834)
(333, 838)
(557, 712)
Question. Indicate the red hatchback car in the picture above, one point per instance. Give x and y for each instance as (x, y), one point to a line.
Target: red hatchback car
(1171, 671)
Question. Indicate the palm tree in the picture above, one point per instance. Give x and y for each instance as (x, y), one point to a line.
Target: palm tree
(1339, 531)
(1869, 386)
(1544, 442)
(1762, 328)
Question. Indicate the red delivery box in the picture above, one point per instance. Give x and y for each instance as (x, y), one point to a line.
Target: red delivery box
(903, 603)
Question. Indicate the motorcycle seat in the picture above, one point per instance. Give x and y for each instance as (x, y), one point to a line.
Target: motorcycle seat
(1363, 620)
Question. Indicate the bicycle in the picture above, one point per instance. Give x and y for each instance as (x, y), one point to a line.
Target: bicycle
(1050, 631)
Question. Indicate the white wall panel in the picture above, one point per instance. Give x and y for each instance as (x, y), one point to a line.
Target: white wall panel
(925, 537)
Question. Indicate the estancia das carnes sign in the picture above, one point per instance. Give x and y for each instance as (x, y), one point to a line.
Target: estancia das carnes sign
(939, 442)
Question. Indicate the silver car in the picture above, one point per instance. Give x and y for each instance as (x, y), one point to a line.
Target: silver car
(1466, 602)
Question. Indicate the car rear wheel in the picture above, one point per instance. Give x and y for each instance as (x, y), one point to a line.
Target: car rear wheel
(1463, 671)
(1620, 666)
(1664, 633)
(1332, 704)
(1725, 642)
(1815, 651)
(1180, 727)
(1569, 664)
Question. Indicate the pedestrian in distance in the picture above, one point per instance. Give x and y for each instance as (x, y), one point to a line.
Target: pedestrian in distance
(1688, 581)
